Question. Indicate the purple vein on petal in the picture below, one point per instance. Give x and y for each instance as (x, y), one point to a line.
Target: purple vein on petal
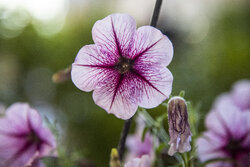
(116, 40)
(243, 138)
(219, 135)
(208, 139)
(32, 130)
(109, 43)
(145, 80)
(95, 58)
(215, 150)
(224, 124)
(121, 77)
(97, 66)
(28, 121)
(25, 147)
(15, 135)
(145, 50)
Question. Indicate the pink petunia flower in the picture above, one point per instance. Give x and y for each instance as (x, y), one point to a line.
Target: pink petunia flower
(136, 147)
(22, 137)
(239, 96)
(144, 161)
(125, 67)
(228, 136)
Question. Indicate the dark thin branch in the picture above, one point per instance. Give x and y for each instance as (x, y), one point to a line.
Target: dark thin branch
(156, 13)
(123, 137)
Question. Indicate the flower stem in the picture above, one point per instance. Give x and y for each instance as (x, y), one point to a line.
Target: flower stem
(156, 13)
(123, 137)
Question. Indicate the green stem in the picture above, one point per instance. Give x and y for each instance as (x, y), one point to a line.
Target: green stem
(184, 164)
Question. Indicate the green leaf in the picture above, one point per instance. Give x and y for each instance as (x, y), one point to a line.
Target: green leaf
(182, 93)
(161, 118)
(145, 130)
(160, 148)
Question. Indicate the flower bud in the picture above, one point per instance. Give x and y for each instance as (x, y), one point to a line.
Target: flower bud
(114, 159)
(62, 75)
(179, 131)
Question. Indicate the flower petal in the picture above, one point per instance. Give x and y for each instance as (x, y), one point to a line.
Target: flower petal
(241, 94)
(155, 84)
(151, 46)
(222, 100)
(121, 94)
(117, 95)
(48, 142)
(139, 147)
(9, 146)
(23, 155)
(90, 67)
(246, 118)
(135, 162)
(219, 164)
(17, 154)
(34, 120)
(209, 146)
(226, 121)
(114, 34)
(16, 119)
(144, 161)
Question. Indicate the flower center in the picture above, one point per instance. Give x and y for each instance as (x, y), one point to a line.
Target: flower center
(234, 148)
(32, 137)
(124, 65)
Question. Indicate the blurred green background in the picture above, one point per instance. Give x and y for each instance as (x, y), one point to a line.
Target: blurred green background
(37, 38)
